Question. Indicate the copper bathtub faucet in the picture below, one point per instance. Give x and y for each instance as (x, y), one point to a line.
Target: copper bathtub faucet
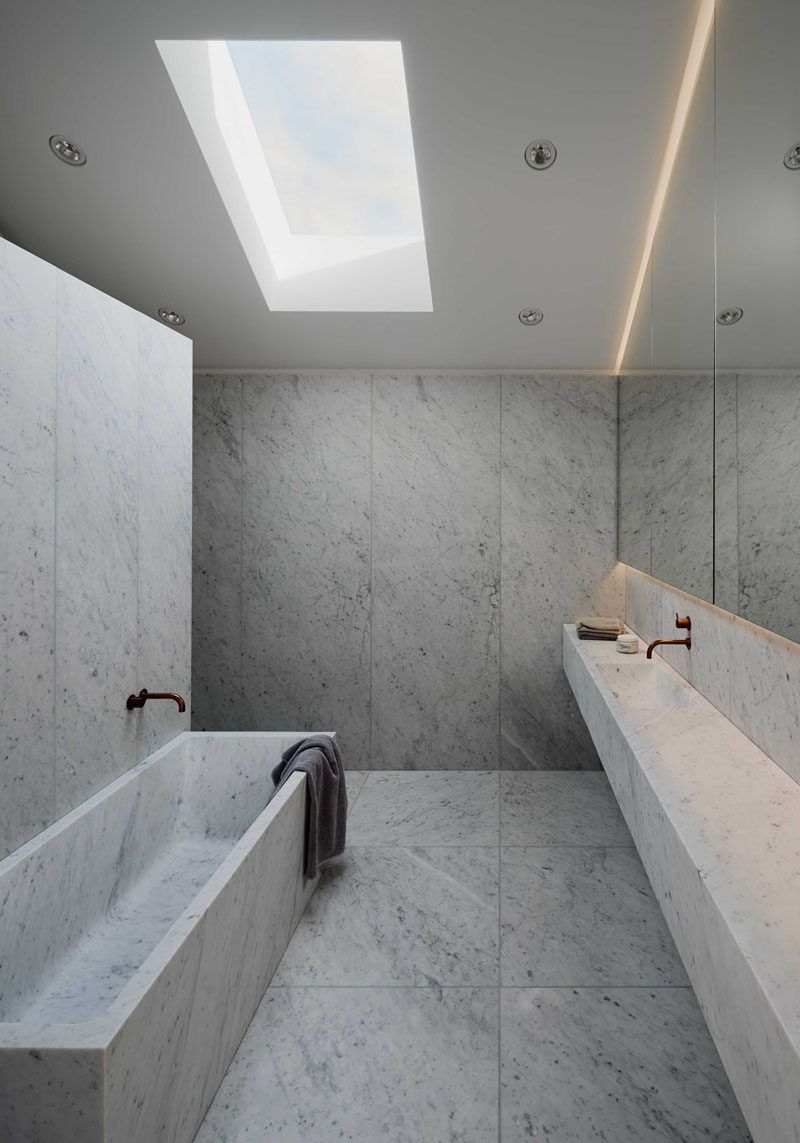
(143, 696)
(685, 624)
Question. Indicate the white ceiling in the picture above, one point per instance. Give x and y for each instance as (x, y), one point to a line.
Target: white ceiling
(143, 220)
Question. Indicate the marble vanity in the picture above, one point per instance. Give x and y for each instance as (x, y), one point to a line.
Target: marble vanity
(139, 934)
(717, 825)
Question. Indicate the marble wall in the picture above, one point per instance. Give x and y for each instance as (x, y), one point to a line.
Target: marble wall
(95, 564)
(666, 477)
(745, 671)
(392, 556)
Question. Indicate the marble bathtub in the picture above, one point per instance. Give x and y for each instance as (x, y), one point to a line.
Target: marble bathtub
(717, 825)
(137, 937)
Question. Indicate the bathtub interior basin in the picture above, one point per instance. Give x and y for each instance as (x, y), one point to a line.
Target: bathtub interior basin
(85, 903)
(647, 685)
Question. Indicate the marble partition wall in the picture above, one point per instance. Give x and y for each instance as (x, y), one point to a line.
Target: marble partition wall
(749, 674)
(95, 563)
(393, 555)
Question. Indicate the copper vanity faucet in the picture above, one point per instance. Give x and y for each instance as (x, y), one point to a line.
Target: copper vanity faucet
(144, 695)
(687, 642)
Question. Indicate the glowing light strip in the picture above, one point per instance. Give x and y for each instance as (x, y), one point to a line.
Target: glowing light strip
(694, 62)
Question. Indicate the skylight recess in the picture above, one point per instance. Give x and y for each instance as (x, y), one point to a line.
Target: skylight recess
(311, 148)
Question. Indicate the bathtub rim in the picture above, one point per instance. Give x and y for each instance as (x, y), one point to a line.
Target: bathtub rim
(100, 1032)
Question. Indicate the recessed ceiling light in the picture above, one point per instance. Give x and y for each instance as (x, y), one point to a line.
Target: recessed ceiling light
(730, 316)
(171, 317)
(530, 317)
(792, 158)
(67, 151)
(540, 154)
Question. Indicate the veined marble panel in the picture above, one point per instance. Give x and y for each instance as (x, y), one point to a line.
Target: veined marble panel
(27, 553)
(666, 472)
(306, 556)
(746, 672)
(714, 821)
(96, 540)
(395, 915)
(426, 808)
(726, 492)
(436, 572)
(165, 530)
(217, 554)
(582, 915)
(768, 437)
(395, 1064)
(567, 808)
(622, 1064)
(558, 555)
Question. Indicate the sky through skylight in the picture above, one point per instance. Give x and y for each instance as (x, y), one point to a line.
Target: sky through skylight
(333, 120)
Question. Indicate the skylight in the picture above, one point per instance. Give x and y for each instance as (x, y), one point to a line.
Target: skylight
(311, 148)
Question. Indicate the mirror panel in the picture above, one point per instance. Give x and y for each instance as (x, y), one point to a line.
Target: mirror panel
(757, 387)
(666, 394)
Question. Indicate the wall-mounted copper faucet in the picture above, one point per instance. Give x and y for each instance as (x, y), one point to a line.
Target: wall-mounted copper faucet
(685, 624)
(144, 695)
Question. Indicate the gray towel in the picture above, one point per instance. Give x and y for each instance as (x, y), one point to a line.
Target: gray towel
(319, 758)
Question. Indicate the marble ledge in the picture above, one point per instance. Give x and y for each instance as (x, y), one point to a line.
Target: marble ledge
(714, 820)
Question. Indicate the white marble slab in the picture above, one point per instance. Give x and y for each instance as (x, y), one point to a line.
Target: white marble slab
(400, 915)
(560, 808)
(389, 1064)
(749, 674)
(181, 933)
(27, 551)
(426, 808)
(436, 571)
(582, 915)
(715, 823)
(559, 555)
(623, 1065)
(165, 530)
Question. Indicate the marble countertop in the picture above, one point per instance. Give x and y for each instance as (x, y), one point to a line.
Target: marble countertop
(737, 814)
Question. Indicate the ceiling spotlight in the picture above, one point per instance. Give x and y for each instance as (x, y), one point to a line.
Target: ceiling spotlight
(171, 317)
(792, 158)
(530, 317)
(67, 151)
(730, 316)
(540, 154)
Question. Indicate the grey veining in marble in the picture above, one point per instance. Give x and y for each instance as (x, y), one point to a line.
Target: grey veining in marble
(715, 823)
(749, 674)
(96, 540)
(540, 808)
(395, 1064)
(94, 491)
(584, 915)
(306, 556)
(27, 556)
(726, 492)
(217, 554)
(622, 1065)
(768, 497)
(398, 915)
(165, 530)
(666, 473)
(426, 808)
(436, 569)
(558, 555)
(144, 926)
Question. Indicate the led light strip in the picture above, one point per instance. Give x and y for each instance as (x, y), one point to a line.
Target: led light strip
(694, 62)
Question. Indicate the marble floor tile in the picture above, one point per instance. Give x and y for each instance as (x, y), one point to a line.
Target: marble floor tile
(560, 808)
(582, 916)
(354, 780)
(391, 915)
(622, 1065)
(399, 1065)
(426, 807)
